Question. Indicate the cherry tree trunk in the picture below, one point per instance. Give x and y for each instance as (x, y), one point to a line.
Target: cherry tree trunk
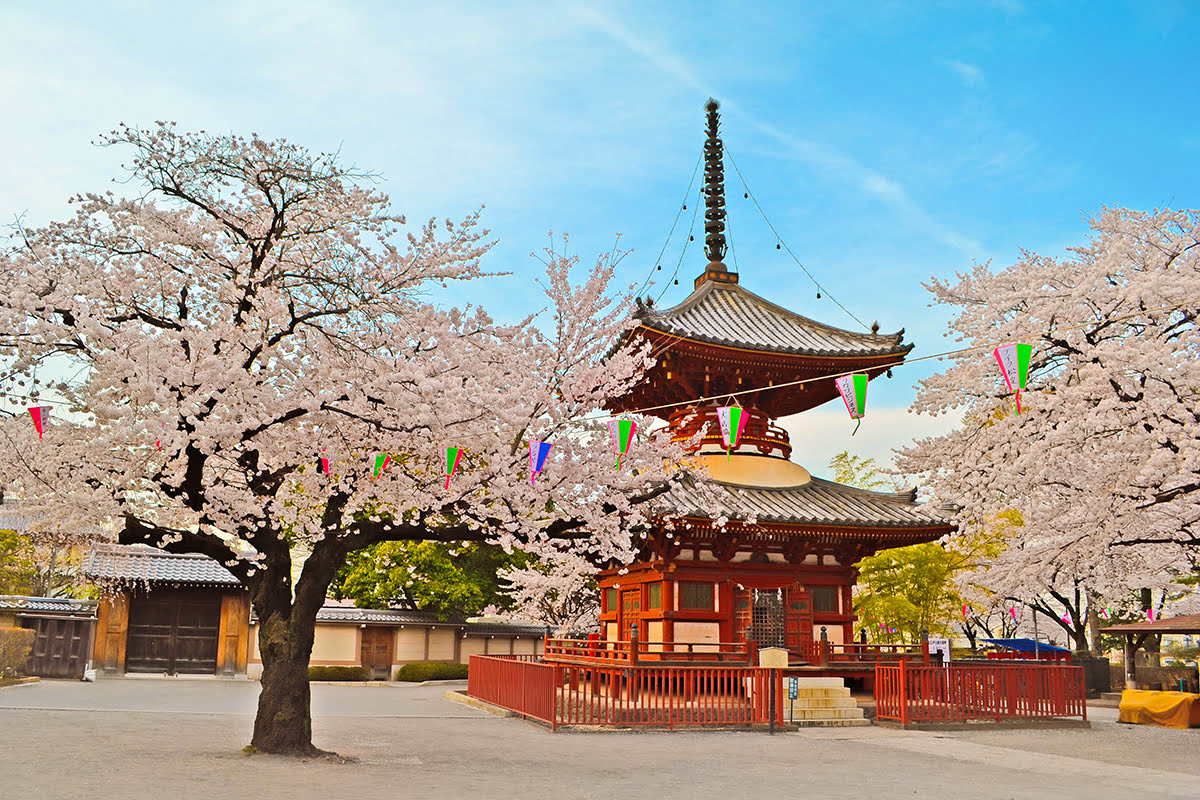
(284, 721)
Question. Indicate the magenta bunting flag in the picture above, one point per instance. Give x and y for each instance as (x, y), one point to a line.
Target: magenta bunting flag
(158, 438)
(537, 459)
(733, 422)
(622, 431)
(1150, 614)
(323, 463)
(452, 456)
(41, 416)
(1066, 619)
(853, 389)
(964, 612)
(1013, 611)
(381, 463)
(1014, 366)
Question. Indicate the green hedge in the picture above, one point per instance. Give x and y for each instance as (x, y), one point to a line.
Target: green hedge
(431, 671)
(339, 674)
(15, 644)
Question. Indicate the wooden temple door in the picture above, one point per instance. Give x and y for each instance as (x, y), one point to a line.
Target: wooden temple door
(631, 611)
(742, 613)
(376, 651)
(797, 620)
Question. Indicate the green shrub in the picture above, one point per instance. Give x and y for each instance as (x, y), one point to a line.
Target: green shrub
(339, 674)
(15, 645)
(431, 671)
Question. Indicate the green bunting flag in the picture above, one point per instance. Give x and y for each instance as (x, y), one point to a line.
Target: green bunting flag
(452, 456)
(853, 389)
(621, 431)
(1014, 366)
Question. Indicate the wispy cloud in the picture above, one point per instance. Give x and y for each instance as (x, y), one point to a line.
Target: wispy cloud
(846, 168)
(969, 74)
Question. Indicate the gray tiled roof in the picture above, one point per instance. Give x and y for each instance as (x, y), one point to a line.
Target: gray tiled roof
(138, 562)
(726, 314)
(48, 605)
(398, 616)
(819, 502)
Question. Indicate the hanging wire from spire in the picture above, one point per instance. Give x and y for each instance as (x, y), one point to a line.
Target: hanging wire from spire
(781, 244)
(657, 265)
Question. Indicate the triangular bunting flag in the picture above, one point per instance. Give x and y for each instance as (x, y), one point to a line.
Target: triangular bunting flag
(733, 422)
(323, 463)
(381, 463)
(452, 456)
(1014, 366)
(853, 389)
(622, 431)
(537, 458)
(41, 417)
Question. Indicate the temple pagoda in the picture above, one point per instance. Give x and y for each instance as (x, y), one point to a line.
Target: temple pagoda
(781, 569)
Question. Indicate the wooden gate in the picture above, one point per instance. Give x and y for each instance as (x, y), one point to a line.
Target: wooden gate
(376, 651)
(59, 646)
(173, 632)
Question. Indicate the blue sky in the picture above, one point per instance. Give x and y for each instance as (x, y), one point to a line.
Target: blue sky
(888, 142)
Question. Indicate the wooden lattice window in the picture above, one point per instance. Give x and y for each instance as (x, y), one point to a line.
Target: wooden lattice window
(825, 599)
(654, 595)
(696, 596)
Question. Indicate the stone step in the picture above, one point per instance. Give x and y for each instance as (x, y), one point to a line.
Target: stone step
(840, 691)
(822, 702)
(820, 683)
(831, 723)
(1114, 697)
(824, 713)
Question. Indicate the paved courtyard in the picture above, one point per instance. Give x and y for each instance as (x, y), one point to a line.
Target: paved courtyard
(182, 739)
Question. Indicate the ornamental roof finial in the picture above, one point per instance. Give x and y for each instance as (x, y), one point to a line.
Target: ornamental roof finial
(714, 188)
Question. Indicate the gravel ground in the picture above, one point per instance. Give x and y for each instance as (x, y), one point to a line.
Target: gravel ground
(182, 739)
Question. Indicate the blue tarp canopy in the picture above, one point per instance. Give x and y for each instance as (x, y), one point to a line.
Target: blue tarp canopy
(1025, 645)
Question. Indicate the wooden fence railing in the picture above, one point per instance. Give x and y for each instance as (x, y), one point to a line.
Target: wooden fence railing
(819, 652)
(643, 695)
(907, 693)
(597, 651)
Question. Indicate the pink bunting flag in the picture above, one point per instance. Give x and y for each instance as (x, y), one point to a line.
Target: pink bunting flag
(1066, 619)
(1013, 611)
(1150, 614)
(1104, 613)
(323, 463)
(40, 415)
(964, 612)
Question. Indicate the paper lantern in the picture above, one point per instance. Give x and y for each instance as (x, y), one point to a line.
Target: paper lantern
(537, 459)
(41, 417)
(622, 431)
(853, 389)
(381, 463)
(1014, 366)
(733, 422)
(453, 454)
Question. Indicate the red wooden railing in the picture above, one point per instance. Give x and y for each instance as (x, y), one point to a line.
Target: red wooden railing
(589, 651)
(1042, 655)
(575, 694)
(820, 653)
(907, 693)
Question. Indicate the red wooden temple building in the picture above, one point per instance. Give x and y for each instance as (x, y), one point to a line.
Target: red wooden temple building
(781, 570)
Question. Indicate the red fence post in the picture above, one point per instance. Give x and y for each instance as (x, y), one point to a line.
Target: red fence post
(903, 693)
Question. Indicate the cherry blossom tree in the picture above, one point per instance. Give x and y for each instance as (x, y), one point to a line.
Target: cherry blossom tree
(559, 590)
(1103, 461)
(255, 307)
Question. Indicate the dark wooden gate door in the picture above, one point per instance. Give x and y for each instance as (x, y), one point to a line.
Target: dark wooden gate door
(376, 651)
(59, 646)
(631, 612)
(173, 631)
